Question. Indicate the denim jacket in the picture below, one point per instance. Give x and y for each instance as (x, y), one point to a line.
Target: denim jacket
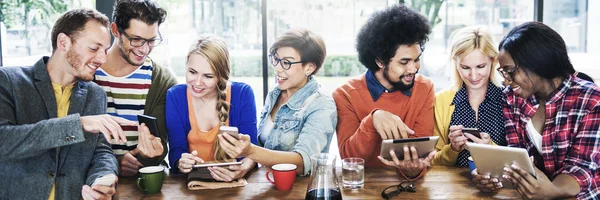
(305, 124)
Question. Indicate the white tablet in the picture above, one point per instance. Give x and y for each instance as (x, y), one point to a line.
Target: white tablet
(218, 164)
(490, 159)
(424, 146)
(201, 171)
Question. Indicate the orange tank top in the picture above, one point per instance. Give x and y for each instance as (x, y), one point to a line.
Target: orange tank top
(203, 142)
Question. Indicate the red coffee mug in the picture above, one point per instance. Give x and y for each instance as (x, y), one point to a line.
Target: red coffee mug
(283, 175)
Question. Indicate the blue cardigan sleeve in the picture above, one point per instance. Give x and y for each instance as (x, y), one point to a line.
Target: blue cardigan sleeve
(176, 114)
(246, 108)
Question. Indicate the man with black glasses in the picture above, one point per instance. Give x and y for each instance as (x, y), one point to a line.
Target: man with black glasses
(134, 84)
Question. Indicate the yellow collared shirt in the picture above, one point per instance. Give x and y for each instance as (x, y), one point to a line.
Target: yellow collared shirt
(63, 100)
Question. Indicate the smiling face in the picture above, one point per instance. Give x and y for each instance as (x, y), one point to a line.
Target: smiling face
(522, 83)
(88, 50)
(474, 69)
(137, 30)
(200, 77)
(400, 72)
(295, 77)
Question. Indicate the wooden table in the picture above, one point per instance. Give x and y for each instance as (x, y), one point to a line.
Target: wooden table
(439, 183)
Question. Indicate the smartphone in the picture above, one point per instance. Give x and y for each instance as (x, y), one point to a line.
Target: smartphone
(105, 180)
(232, 131)
(150, 123)
(472, 131)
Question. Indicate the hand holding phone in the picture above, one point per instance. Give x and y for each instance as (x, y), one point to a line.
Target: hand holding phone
(150, 123)
(106, 180)
(473, 131)
(232, 131)
(149, 147)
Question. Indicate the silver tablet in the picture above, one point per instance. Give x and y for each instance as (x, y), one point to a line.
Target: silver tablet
(424, 146)
(491, 160)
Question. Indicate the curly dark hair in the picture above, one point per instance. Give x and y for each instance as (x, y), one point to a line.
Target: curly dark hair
(386, 30)
(144, 10)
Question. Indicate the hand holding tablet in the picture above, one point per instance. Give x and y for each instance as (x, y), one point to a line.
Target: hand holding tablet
(493, 166)
(423, 145)
(201, 171)
(224, 164)
(410, 156)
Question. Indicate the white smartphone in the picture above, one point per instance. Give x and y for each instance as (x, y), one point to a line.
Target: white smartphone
(106, 180)
(232, 131)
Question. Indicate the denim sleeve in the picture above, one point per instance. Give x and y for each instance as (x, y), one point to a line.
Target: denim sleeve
(320, 120)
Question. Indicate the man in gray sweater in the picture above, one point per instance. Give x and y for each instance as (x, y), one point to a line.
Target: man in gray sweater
(51, 117)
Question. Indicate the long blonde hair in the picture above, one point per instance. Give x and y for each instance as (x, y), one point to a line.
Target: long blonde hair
(215, 51)
(467, 40)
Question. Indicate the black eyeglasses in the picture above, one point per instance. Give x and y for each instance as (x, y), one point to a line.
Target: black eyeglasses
(138, 42)
(285, 64)
(507, 73)
(394, 190)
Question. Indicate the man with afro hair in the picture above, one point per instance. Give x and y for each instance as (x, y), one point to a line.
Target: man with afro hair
(389, 101)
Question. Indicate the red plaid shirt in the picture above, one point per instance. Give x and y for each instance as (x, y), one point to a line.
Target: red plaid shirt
(571, 135)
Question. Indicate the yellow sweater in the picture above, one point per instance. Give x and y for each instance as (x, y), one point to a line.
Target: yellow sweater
(443, 110)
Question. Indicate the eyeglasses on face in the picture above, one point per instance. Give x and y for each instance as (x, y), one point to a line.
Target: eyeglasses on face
(508, 74)
(138, 42)
(394, 190)
(285, 63)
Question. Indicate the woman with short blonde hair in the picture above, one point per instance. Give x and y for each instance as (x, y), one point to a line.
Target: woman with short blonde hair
(474, 100)
(467, 40)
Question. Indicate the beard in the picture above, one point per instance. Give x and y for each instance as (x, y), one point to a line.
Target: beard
(398, 85)
(125, 56)
(74, 59)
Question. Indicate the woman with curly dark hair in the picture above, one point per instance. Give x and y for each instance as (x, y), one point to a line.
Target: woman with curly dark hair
(389, 101)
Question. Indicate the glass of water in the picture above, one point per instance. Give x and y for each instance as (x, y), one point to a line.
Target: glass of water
(353, 173)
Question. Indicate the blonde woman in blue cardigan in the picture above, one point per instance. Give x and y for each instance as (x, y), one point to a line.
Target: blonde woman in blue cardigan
(474, 99)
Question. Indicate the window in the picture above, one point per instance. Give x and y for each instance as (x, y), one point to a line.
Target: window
(337, 21)
(25, 43)
(571, 19)
(237, 22)
(499, 16)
